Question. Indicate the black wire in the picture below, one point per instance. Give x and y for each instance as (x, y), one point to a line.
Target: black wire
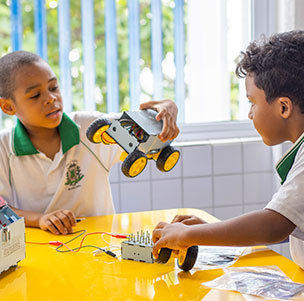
(81, 233)
(87, 246)
(108, 252)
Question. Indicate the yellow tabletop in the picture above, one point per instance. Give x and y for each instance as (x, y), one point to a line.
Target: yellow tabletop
(48, 275)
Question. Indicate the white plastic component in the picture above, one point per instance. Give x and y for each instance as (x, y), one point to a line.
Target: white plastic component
(12, 243)
(138, 248)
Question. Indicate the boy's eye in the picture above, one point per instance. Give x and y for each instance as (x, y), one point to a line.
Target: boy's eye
(35, 96)
(54, 88)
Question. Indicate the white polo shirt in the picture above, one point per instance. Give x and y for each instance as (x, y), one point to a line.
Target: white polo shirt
(289, 200)
(76, 179)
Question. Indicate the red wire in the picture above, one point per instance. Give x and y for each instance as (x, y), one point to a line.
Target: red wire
(59, 243)
(113, 235)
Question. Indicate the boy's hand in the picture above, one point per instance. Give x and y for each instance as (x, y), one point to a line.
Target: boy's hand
(167, 111)
(188, 220)
(58, 222)
(168, 236)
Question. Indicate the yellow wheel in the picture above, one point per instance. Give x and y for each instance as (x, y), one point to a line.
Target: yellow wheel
(134, 164)
(96, 132)
(187, 260)
(163, 255)
(167, 159)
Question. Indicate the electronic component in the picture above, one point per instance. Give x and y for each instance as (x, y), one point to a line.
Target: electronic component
(12, 232)
(138, 247)
(137, 133)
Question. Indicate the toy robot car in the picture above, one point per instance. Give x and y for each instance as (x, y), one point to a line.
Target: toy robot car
(137, 133)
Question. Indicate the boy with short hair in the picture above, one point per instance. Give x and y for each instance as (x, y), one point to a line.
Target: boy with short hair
(274, 71)
(50, 172)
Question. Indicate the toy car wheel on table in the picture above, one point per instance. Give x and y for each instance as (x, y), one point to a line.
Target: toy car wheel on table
(134, 164)
(187, 261)
(96, 131)
(164, 255)
(167, 158)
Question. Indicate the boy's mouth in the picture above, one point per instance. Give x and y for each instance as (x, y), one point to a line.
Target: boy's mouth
(54, 114)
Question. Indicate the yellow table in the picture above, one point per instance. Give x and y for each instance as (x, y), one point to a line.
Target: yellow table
(48, 275)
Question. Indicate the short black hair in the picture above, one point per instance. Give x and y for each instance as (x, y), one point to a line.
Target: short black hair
(277, 65)
(9, 65)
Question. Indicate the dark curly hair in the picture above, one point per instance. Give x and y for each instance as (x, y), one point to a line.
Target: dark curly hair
(9, 65)
(277, 65)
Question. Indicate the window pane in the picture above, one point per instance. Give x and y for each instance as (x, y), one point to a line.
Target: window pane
(217, 31)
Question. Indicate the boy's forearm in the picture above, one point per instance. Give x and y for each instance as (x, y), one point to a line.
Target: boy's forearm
(256, 228)
(31, 218)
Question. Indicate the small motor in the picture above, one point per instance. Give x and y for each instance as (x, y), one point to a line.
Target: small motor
(12, 234)
(137, 133)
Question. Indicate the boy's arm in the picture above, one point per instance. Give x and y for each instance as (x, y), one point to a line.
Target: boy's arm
(167, 111)
(255, 228)
(58, 222)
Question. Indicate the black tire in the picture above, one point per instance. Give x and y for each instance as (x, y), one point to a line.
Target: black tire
(187, 262)
(164, 255)
(167, 159)
(134, 164)
(93, 129)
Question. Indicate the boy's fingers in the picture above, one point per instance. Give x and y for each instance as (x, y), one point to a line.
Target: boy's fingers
(160, 225)
(156, 235)
(71, 217)
(176, 132)
(157, 232)
(165, 131)
(147, 105)
(157, 246)
(65, 221)
(161, 113)
(49, 226)
(180, 218)
(58, 224)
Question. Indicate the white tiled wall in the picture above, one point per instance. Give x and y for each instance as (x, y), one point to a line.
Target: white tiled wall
(223, 177)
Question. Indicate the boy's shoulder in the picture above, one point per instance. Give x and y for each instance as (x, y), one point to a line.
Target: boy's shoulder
(5, 139)
(91, 115)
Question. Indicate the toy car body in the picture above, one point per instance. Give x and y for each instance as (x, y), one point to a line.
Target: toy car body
(137, 133)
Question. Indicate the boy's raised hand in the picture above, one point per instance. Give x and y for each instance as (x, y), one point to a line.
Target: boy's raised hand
(169, 236)
(167, 111)
(58, 222)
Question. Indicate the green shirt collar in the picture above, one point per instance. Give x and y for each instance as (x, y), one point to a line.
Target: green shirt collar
(284, 165)
(22, 144)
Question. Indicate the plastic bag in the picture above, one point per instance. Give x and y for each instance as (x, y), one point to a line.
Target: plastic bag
(269, 282)
(217, 257)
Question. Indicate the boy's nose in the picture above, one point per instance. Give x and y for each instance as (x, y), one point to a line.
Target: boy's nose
(51, 99)
(250, 114)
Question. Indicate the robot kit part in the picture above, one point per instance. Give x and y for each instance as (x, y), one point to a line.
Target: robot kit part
(184, 261)
(136, 132)
(139, 248)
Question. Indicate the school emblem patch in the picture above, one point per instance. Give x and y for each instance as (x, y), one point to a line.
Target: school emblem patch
(73, 174)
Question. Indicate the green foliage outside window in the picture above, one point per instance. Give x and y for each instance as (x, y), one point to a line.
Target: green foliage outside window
(29, 44)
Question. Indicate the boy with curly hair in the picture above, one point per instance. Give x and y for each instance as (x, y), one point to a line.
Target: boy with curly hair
(274, 72)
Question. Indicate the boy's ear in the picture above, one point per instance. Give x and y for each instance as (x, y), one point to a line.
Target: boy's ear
(286, 107)
(8, 106)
